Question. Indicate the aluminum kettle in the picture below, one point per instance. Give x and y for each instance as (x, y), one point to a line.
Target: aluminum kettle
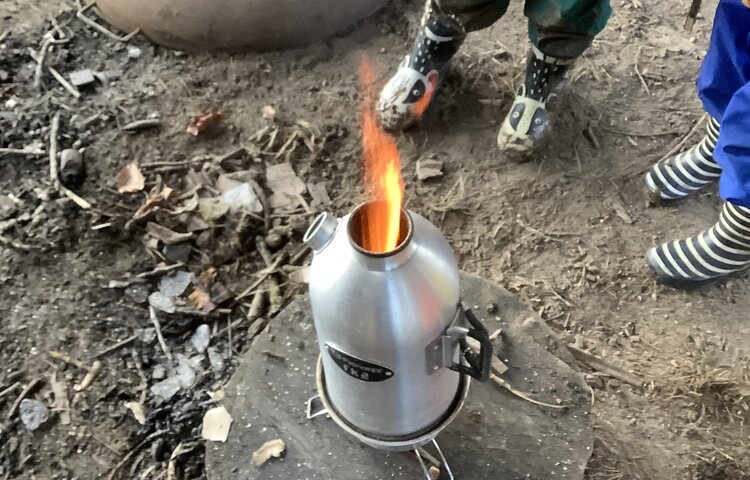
(391, 330)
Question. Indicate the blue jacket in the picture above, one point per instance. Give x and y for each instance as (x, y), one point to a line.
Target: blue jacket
(724, 88)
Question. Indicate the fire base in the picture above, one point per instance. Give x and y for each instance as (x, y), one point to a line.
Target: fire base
(495, 435)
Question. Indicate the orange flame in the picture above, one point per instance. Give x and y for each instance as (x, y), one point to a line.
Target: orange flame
(382, 173)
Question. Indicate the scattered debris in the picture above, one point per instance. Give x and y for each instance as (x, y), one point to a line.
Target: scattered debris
(215, 359)
(201, 301)
(165, 235)
(162, 302)
(72, 169)
(185, 371)
(216, 425)
(153, 203)
(286, 186)
(130, 179)
(8, 207)
(319, 194)
(138, 125)
(82, 78)
(429, 167)
(137, 410)
(269, 113)
(175, 285)
(159, 336)
(201, 337)
(272, 449)
(134, 52)
(62, 403)
(91, 375)
(33, 413)
(166, 389)
(603, 366)
(203, 122)
(212, 209)
(159, 373)
(242, 196)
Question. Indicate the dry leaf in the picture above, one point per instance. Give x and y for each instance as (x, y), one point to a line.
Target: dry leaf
(137, 410)
(208, 277)
(152, 203)
(130, 179)
(169, 237)
(216, 424)
(202, 122)
(274, 448)
(201, 301)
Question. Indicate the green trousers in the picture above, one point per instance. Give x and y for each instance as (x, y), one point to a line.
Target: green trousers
(559, 28)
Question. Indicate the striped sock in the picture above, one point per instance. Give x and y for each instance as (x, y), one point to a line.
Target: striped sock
(679, 176)
(719, 251)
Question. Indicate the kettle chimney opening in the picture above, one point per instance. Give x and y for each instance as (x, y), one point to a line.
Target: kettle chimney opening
(360, 226)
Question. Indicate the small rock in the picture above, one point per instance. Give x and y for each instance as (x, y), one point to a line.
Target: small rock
(216, 424)
(274, 241)
(429, 168)
(166, 389)
(134, 52)
(7, 207)
(216, 359)
(33, 413)
(242, 196)
(201, 338)
(11, 103)
(491, 308)
(137, 293)
(82, 78)
(161, 302)
(146, 335)
(175, 284)
(159, 373)
(595, 381)
(184, 373)
(614, 384)
(72, 169)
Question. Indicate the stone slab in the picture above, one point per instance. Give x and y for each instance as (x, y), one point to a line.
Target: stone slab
(496, 436)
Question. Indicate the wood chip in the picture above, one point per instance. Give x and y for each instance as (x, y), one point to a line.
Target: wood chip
(202, 122)
(137, 410)
(130, 179)
(201, 301)
(216, 425)
(272, 449)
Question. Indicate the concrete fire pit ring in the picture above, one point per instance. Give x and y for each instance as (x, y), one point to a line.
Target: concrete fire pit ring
(235, 25)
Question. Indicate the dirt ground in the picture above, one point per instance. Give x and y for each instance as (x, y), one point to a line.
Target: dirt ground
(566, 231)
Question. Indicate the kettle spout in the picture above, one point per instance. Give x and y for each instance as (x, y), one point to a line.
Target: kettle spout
(321, 232)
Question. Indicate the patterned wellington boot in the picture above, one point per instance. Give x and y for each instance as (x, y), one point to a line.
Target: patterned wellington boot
(715, 253)
(677, 177)
(408, 93)
(527, 120)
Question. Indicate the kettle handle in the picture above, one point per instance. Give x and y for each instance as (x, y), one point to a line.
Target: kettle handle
(480, 364)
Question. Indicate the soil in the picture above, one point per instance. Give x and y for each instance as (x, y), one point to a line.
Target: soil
(566, 231)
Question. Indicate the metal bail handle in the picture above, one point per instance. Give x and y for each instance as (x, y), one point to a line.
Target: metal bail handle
(479, 365)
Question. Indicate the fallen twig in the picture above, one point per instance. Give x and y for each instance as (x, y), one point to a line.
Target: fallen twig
(638, 72)
(264, 202)
(135, 450)
(603, 366)
(159, 336)
(141, 125)
(523, 396)
(96, 367)
(677, 148)
(159, 270)
(9, 389)
(264, 274)
(67, 359)
(65, 84)
(21, 151)
(29, 388)
(115, 347)
(80, 14)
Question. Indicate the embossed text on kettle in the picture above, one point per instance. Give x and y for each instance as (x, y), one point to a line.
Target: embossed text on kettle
(358, 368)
